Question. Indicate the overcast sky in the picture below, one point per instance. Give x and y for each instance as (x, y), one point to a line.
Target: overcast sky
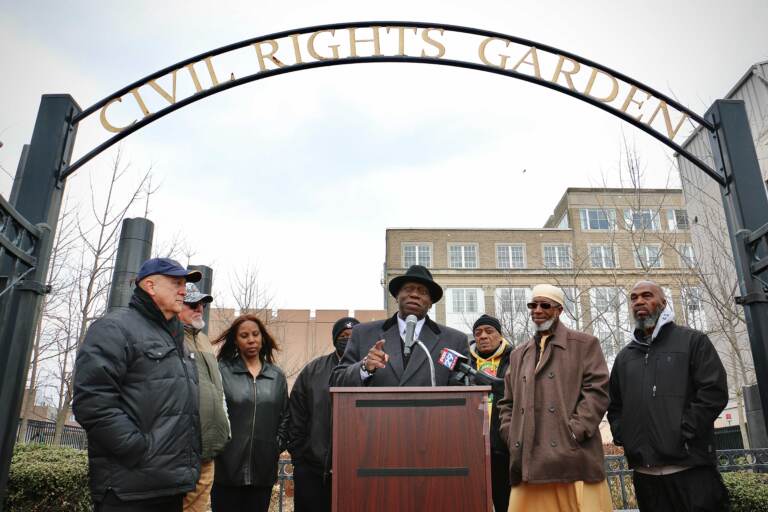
(301, 174)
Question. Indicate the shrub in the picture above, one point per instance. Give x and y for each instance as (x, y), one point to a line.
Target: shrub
(749, 491)
(48, 478)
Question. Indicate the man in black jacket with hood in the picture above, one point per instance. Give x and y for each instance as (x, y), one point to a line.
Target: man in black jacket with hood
(309, 430)
(667, 388)
(135, 393)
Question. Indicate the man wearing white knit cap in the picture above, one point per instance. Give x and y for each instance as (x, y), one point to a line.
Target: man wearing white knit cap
(556, 393)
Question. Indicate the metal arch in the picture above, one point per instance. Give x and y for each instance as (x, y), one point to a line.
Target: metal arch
(397, 59)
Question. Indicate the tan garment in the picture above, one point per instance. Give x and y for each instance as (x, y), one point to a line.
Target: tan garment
(561, 497)
(199, 500)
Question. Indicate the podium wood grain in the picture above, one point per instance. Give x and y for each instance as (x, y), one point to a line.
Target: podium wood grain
(411, 449)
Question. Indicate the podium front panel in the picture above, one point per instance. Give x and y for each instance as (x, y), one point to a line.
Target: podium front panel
(411, 449)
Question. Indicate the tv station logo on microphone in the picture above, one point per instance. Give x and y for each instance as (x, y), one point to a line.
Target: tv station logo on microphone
(448, 358)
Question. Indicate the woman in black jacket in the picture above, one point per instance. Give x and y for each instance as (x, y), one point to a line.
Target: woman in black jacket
(257, 404)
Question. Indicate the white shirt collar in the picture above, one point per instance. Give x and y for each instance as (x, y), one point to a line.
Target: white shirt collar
(416, 333)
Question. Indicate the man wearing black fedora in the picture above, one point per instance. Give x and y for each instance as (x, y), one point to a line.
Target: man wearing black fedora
(375, 353)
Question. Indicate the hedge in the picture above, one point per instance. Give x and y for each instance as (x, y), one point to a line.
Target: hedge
(55, 479)
(749, 491)
(48, 478)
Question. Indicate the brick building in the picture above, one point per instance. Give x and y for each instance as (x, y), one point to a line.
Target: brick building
(595, 245)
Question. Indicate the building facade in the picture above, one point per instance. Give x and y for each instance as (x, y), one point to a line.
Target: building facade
(709, 234)
(301, 334)
(596, 244)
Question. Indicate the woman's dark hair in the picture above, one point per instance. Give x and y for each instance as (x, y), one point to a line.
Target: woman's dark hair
(228, 342)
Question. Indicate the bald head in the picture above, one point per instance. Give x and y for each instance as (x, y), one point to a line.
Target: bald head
(648, 284)
(648, 301)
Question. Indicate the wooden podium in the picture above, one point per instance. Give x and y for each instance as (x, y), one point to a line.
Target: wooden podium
(414, 449)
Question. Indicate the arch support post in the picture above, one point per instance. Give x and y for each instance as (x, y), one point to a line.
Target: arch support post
(133, 249)
(746, 212)
(205, 285)
(38, 195)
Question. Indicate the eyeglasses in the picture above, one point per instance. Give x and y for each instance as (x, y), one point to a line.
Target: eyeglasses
(542, 305)
(196, 305)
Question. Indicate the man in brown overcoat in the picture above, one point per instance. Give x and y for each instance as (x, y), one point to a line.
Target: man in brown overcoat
(556, 393)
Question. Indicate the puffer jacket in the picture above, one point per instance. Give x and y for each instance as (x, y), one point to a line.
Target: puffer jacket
(258, 415)
(135, 394)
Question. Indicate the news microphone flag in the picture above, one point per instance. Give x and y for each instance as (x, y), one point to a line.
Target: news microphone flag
(449, 358)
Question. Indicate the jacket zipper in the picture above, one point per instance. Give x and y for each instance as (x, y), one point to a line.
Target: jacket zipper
(249, 480)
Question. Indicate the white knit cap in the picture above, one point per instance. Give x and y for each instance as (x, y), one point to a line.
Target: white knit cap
(551, 292)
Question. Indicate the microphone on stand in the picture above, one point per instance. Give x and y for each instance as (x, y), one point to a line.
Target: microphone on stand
(410, 329)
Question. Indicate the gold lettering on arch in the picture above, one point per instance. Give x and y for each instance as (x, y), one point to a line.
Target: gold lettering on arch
(495, 51)
(106, 124)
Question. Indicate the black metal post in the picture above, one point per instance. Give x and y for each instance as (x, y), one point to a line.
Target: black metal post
(746, 212)
(133, 249)
(205, 285)
(38, 200)
(19, 174)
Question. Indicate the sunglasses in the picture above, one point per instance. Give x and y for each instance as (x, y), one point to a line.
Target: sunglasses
(542, 305)
(196, 305)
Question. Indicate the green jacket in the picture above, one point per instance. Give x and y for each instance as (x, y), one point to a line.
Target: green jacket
(214, 424)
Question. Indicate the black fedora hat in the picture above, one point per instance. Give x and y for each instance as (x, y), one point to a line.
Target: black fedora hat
(417, 274)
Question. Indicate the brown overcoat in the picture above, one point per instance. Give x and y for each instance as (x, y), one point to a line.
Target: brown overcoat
(550, 416)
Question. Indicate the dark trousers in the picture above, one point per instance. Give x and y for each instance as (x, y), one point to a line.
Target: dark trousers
(310, 492)
(500, 487)
(225, 498)
(112, 503)
(699, 489)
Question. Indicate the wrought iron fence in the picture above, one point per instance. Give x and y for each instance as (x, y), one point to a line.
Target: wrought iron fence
(43, 432)
(620, 476)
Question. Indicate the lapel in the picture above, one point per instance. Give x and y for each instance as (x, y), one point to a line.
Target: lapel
(429, 337)
(391, 335)
(557, 339)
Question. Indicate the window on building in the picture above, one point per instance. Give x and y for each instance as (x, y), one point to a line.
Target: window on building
(644, 219)
(563, 224)
(465, 300)
(597, 219)
(462, 256)
(557, 256)
(510, 256)
(648, 256)
(602, 256)
(687, 258)
(462, 307)
(417, 254)
(610, 319)
(693, 307)
(512, 312)
(571, 316)
(677, 220)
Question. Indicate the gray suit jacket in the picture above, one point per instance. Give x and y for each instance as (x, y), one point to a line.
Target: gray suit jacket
(364, 336)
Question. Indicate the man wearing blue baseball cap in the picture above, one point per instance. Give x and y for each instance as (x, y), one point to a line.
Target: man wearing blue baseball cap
(136, 395)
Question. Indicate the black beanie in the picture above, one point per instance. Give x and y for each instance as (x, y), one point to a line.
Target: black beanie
(487, 320)
(343, 323)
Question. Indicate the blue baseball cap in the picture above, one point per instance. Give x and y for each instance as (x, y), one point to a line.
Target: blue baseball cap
(167, 267)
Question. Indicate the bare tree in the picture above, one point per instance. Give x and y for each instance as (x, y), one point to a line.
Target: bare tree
(250, 293)
(44, 343)
(98, 233)
(176, 247)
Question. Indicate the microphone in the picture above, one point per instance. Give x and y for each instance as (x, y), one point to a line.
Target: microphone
(410, 329)
(459, 363)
